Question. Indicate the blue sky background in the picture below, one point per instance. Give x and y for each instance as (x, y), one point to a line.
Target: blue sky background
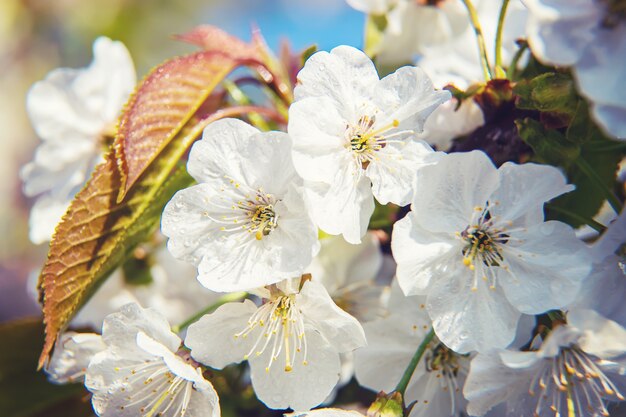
(326, 23)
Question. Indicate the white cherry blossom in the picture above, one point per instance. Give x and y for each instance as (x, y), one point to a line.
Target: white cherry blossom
(143, 372)
(450, 121)
(292, 342)
(579, 365)
(245, 223)
(349, 273)
(605, 289)
(437, 381)
(590, 36)
(71, 356)
(354, 136)
(476, 244)
(413, 25)
(74, 112)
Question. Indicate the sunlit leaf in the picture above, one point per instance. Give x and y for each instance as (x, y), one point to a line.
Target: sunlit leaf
(213, 39)
(97, 233)
(161, 106)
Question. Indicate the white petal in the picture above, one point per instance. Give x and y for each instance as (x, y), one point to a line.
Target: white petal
(604, 290)
(447, 193)
(120, 329)
(467, 320)
(211, 339)
(558, 31)
(185, 221)
(547, 264)
(325, 412)
(393, 173)
(601, 61)
(110, 297)
(408, 96)
(56, 113)
(490, 382)
(601, 337)
(72, 355)
(421, 255)
(340, 264)
(344, 208)
(212, 156)
(611, 119)
(45, 215)
(523, 191)
(344, 74)
(448, 122)
(305, 386)
(339, 328)
(112, 70)
(392, 342)
(318, 131)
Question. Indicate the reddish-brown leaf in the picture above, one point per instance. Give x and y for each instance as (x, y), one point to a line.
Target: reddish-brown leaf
(97, 233)
(161, 106)
(211, 38)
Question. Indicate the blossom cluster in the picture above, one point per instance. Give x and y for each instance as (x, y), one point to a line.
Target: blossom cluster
(513, 313)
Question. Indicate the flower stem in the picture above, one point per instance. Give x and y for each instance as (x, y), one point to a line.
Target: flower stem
(228, 298)
(512, 69)
(480, 39)
(242, 99)
(593, 176)
(498, 54)
(408, 373)
(598, 227)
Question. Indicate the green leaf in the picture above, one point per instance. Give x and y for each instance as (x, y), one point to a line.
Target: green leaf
(384, 216)
(591, 171)
(25, 392)
(97, 233)
(137, 270)
(549, 145)
(589, 195)
(550, 92)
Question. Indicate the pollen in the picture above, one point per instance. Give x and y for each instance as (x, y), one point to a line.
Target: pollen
(284, 337)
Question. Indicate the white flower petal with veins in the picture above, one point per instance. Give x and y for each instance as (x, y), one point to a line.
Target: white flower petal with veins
(476, 245)
(245, 224)
(438, 380)
(142, 372)
(589, 36)
(73, 111)
(292, 343)
(72, 355)
(354, 136)
(579, 366)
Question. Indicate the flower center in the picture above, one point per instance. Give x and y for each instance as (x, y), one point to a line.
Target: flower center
(615, 13)
(364, 141)
(279, 324)
(572, 379)
(264, 220)
(482, 250)
(156, 390)
(443, 360)
(248, 209)
(446, 366)
(429, 2)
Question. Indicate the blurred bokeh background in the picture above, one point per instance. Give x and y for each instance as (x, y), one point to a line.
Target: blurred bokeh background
(37, 36)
